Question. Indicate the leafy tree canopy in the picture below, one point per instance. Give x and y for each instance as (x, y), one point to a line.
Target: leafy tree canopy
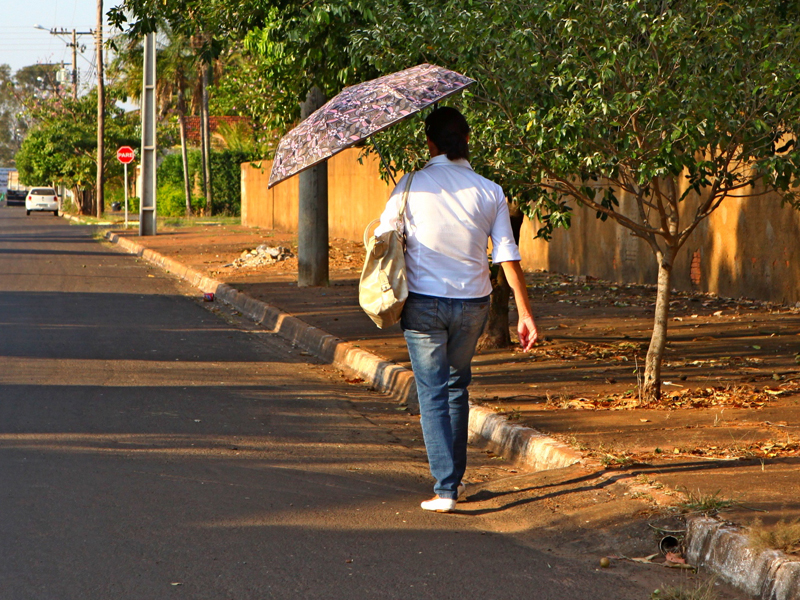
(610, 96)
(287, 46)
(27, 84)
(61, 147)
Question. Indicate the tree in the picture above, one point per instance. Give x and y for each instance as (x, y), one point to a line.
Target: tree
(666, 104)
(12, 125)
(306, 49)
(27, 84)
(302, 47)
(242, 88)
(61, 147)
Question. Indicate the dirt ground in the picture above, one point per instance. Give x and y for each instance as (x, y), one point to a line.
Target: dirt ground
(598, 329)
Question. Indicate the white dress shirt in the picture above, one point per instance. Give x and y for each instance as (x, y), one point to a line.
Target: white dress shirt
(450, 215)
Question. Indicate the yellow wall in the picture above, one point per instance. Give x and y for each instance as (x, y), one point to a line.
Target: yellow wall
(748, 248)
(356, 196)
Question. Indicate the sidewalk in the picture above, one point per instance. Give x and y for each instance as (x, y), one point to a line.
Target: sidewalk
(726, 436)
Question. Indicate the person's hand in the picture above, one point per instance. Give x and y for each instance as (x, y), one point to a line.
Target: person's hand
(528, 334)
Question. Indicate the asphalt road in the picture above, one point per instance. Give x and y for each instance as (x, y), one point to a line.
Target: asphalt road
(150, 449)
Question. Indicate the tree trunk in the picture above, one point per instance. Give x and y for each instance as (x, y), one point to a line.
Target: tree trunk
(496, 333)
(88, 201)
(651, 390)
(84, 201)
(206, 139)
(184, 153)
(76, 200)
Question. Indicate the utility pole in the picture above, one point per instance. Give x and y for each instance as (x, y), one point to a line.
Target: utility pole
(74, 46)
(101, 98)
(312, 222)
(205, 136)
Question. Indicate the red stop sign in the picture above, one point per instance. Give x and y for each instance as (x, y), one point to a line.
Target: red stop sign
(125, 155)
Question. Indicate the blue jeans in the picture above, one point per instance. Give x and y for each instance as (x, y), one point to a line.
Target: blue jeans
(441, 334)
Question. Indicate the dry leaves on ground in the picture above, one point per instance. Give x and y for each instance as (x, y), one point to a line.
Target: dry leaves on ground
(752, 450)
(620, 352)
(742, 396)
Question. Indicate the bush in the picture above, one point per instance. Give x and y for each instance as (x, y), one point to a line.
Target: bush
(114, 194)
(225, 181)
(171, 201)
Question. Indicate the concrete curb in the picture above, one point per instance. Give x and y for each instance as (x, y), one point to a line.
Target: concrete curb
(523, 444)
(722, 548)
(80, 221)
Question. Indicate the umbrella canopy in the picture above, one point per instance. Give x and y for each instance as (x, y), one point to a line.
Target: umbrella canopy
(358, 112)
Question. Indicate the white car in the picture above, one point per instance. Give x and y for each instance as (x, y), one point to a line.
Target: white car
(42, 198)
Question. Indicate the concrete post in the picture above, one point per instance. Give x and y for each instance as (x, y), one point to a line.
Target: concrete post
(147, 201)
(312, 226)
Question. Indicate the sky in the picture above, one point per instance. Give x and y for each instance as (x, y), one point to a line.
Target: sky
(21, 44)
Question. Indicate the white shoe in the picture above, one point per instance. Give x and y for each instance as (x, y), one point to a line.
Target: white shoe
(462, 490)
(437, 504)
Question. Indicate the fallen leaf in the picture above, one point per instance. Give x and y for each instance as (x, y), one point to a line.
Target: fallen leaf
(675, 558)
(647, 559)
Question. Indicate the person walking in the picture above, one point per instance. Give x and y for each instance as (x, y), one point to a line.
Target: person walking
(451, 213)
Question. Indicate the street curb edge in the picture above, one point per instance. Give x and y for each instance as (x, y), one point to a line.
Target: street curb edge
(722, 549)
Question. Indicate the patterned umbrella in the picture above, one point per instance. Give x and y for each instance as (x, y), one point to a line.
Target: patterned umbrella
(358, 112)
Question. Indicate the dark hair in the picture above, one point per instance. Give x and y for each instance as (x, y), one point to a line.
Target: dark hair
(448, 129)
